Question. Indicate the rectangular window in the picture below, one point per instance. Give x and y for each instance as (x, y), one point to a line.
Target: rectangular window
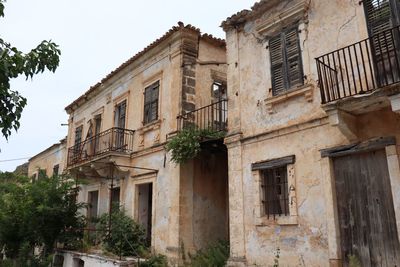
(381, 15)
(78, 135)
(286, 65)
(93, 198)
(274, 186)
(151, 103)
(97, 129)
(56, 169)
(115, 196)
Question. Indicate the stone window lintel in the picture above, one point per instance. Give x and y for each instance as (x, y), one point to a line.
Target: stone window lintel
(274, 24)
(306, 90)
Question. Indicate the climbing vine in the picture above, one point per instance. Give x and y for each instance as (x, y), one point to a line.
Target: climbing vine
(186, 144)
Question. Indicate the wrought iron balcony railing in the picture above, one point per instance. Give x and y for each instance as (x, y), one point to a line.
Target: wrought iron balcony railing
(212, 117)
(361, 67)
(111, 140)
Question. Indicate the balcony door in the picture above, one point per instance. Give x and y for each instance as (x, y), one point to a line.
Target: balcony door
(220, 107)
(119, 123)
(97, 128)
(383, 21)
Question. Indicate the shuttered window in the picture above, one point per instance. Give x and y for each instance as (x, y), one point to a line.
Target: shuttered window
(120, 115)
(286, 66)
(78, 135)
(381, 15)
(151, 103)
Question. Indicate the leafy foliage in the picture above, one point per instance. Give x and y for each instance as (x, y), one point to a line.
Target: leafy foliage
(214, 255)
(155, 261)
(186, 144)
(36, 215)
(125, 238)
(14, 63)
(354, 261)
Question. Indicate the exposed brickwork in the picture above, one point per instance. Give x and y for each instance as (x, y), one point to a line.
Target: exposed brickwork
(190, 51)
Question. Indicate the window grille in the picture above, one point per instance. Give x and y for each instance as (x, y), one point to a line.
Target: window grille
(275, 192)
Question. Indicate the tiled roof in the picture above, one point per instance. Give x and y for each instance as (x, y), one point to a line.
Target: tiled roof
(62, 141)
(242, 16)
(171, 31)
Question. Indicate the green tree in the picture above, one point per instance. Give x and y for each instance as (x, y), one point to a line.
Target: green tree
(36, 214)
(14, 63)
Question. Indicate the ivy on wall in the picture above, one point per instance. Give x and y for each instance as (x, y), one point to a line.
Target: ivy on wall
(186, 144)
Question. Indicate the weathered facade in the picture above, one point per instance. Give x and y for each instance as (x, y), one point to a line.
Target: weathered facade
(313, 144)
(50, 161)
(118, 130)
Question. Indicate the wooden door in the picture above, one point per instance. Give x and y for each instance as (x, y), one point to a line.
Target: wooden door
(365, 209)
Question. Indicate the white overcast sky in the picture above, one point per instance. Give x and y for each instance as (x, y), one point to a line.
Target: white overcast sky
(95, 37)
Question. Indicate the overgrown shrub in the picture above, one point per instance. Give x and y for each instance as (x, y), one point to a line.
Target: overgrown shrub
(155, 261)
(186, 144)
(214, 255)
(125, 238)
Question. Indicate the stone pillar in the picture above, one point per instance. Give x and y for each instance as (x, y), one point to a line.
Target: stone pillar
(173, 213)
(236, 205)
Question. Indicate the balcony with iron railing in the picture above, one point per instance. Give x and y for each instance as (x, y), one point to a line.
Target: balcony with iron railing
(113, 140)
(360, 68)
(212, 117)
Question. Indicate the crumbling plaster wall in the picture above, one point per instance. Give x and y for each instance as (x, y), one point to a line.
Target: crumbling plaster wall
(204, 198)
(304, 243)
(325, 27)
(295, 126)
(211, 67)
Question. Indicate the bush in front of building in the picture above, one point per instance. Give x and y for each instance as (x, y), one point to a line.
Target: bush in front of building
(125, 237)
(214, 255)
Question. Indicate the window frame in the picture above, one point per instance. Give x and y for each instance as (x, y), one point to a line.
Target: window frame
(274, 190)
(258, 169)
(285, 61)
(117, 113)
(151, 102)
(80, 128)
(56, 169)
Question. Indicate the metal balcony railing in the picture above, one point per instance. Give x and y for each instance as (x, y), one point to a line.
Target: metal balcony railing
(212, 117)
(361, 67)
(111, 140)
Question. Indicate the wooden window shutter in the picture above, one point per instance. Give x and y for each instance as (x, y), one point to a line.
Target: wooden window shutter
(293, 58)
(378, 15)
(277, 65)
(286, 65)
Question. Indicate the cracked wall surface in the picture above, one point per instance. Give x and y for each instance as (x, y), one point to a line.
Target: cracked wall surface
(264, 127)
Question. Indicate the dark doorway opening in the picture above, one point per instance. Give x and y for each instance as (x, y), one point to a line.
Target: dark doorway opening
(145, 207)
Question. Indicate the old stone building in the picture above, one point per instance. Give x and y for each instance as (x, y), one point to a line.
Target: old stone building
(50, 161)
(313, 109)
(118, 130)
